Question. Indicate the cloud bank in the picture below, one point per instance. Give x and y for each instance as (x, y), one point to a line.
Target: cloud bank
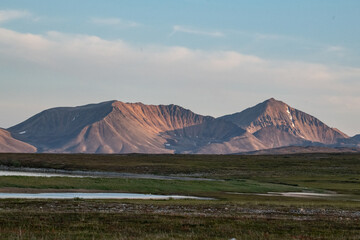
(63, 68)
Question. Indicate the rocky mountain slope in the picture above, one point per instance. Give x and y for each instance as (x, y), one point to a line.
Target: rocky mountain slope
(10, 144)
(277, 124)
(118, 127)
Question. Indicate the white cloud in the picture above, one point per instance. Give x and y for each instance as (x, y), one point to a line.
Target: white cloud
(115, 22)
(8, 15)
(334, 49)
(67, 67)
(57, 49)
(188, 30)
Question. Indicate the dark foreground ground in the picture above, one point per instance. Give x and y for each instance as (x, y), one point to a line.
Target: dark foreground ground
(232, 215)
(78, 219)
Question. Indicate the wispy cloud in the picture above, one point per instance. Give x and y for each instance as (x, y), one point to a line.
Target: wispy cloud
(311, 49)
(274, 37)
(335, 49)
(8, 15)
(118, 22)
(189, 30)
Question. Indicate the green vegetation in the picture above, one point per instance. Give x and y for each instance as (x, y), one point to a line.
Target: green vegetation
(335, 172)
(231, 216)
(203, 188)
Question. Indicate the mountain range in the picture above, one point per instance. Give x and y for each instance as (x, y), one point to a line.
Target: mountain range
(118, 127)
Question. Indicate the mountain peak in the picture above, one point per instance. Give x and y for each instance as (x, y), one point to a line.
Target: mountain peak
(276, 122)
(271, 112)
(273, 103)
(271, 100)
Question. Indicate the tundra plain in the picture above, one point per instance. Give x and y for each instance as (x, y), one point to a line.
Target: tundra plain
(328, 208)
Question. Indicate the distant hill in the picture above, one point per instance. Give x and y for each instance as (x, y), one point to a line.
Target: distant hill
(350, 142)
(300, 150)
(118, 127)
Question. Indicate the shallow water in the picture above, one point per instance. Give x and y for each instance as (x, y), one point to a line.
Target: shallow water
(95, 196)
(37, 174)
(294, 194)
(45, 172)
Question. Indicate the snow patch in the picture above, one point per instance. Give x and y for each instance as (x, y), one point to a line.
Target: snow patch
(292, 121)
(23, 132)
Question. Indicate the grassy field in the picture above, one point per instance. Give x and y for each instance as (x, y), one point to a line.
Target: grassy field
(231, 216)
(199, 188)
(154, 226)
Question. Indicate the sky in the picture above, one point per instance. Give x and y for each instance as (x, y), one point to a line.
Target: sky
(213, 57)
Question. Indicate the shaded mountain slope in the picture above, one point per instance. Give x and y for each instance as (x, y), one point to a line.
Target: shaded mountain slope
(242, 143)
(54, 127)
(350, 142)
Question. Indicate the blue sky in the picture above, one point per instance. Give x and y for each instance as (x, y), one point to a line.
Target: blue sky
(279, 29)
(214, 57)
